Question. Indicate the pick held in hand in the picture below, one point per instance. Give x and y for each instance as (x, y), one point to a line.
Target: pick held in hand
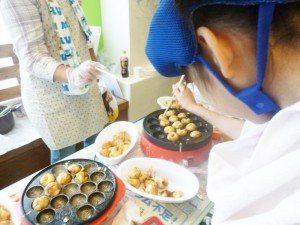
(86, 72)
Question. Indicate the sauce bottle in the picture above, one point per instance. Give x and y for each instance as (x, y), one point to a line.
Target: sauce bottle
(124, 64)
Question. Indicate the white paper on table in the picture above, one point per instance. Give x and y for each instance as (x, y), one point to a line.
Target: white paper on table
(112, 84)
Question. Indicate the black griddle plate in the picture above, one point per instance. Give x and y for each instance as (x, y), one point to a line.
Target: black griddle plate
(155, 132)
(63, 209)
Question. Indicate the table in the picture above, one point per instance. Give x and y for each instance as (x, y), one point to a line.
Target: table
(187, 213)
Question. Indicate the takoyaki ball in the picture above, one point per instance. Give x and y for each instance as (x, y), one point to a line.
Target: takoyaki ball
(134, 173)
(152, 189)
(4, 213)
(134, 182)
(181, 132)
(170, 113)
(164, 122)
(177, 194)
(162, 116)
(191, 127)
(161, 182)
(106, 144)
(175, 105)
(185, 120)
(74, 168)
(173, 118)
(169, 129)
(53, 189)
(47, 178)
(81, 177)
(181, 115)
(145, 175)
(177, 125)
(165, 193)
(195, 134)
(40, 203)
(64, 178)
(115, 151)
(105, 152)
(172, 136)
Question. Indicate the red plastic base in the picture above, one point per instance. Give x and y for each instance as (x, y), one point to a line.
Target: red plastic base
(190, 157)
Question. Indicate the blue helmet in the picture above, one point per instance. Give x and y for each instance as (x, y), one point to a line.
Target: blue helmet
(172, 43)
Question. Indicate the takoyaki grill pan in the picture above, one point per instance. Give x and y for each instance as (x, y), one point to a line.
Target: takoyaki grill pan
(154, 132)
(76, 203)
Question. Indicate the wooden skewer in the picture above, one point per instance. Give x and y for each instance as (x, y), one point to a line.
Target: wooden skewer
(173, 97)
(103, 71)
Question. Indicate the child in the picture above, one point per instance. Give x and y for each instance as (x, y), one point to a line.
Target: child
(244, 58)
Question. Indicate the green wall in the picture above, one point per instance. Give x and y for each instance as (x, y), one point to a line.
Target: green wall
(92, 11)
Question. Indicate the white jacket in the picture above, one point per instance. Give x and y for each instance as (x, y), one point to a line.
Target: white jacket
(255, 180)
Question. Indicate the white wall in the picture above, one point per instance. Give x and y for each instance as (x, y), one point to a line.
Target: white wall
(125, 26)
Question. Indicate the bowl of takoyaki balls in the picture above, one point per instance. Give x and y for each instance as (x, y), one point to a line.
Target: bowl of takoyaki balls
(115, 141)
(177, 129)
(166, 101)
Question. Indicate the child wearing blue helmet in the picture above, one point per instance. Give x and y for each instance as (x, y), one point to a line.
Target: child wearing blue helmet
(244, 58)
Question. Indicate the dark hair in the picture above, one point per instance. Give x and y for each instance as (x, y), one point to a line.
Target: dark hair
(285, 25)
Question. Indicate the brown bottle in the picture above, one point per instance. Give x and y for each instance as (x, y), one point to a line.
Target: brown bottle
(124, 64)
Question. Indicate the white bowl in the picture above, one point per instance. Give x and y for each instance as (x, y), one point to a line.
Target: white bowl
(164, 101)
(179, 178)
(107, 134)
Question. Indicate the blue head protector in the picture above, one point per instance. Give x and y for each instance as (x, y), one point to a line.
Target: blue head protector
(172, 43)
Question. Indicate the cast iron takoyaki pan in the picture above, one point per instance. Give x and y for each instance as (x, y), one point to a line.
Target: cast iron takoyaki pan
(76, 203)
(155, 132)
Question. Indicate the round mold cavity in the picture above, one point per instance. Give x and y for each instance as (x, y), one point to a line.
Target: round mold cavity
(90, 168)
(96, 198)
(156, 128)
(34, 192)
(58, 169)
(204, 129)
(105, 186)
(198, 123)
(85, 212)
(71, 189)
(46, 216)
(78, 200)
(88, 188)
(59, 202)
(98, 176)
(160, 135)
(153, 121)
(193, 118)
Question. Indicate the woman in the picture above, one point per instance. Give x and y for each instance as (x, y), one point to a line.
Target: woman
(58, 78)
(244, 58)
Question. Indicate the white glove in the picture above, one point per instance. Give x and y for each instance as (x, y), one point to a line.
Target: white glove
(85, 73)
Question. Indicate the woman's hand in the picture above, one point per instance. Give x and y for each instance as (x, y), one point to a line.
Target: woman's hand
(86, 72)
(184, 96)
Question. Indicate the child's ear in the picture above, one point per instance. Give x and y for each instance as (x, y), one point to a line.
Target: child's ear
(219, 48)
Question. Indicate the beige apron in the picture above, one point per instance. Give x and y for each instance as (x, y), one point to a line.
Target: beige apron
(60, 119)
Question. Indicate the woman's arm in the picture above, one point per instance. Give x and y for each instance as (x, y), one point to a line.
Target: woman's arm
(24, 24)
(228, 125)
